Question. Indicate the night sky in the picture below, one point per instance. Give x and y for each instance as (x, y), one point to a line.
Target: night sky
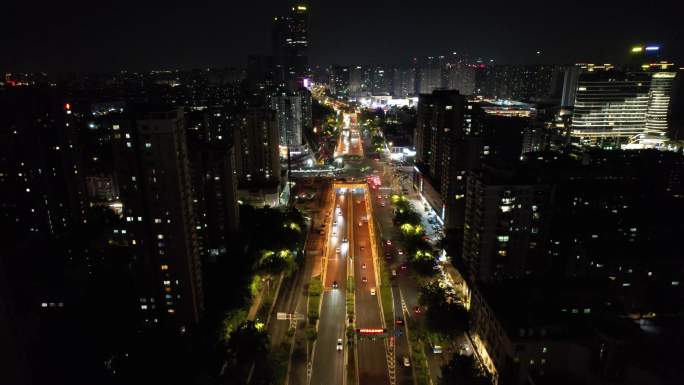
(124, 34)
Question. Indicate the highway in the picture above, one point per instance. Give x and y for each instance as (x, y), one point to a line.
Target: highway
(328, 362)
(372, 357)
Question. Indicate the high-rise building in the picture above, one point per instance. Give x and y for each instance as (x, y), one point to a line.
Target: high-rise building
(454, 136)
(214, 179)
(448, 126)
(257, 141)
(431, 74)
(153, 175)
(506, 227)
(461, 77)
(339, 81)
(403, 82)
(41, 190)
(293, 112)
(291, 44)
(615, 107)
(380, 80)
(360, 81)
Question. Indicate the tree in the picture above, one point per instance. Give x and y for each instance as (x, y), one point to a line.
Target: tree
(445, 313)
(247, 344)
(463, 370)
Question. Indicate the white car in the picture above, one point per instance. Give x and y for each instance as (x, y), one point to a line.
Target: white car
(407, 363)
(373, 291)
(339, 344)
(337, 250)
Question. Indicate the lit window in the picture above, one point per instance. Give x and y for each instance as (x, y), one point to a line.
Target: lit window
(128, 144)
(157, 220)
(144, 307)
(128, 136)
(160, 236)
(148, 145)
(502, 238)
(164, 267)
(115, 127)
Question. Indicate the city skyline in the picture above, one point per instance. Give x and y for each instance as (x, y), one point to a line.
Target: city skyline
(151, 36)
(347, 193)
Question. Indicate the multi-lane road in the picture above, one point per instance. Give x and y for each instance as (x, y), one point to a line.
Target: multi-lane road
(349, 253)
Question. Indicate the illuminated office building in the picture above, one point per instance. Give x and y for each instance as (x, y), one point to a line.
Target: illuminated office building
(622, 107)
(291, 45)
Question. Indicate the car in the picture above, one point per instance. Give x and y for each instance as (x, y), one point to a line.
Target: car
(335, 285)
(339, 344)
(359, 224)
(337, 249)
(334, 223)
(400, 251)
(379, 196)
(373, 291)
(382, 204)
(358, 202)
(386, 196)
(399, 321)
(321, 232)
(388, 256)
(403, 266)
(344, 240)
(363, 265)
(334, 233)
(417, 309)
(364, 279)
(394, 273)
(389, 242)
(407, 363)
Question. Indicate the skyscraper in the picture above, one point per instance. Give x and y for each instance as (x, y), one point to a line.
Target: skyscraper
(152, 170)
(291, 44)
(339, 81)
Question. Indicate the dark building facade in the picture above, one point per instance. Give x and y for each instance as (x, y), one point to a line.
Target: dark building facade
(153, 175)
(291, 45)
(256, 150)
